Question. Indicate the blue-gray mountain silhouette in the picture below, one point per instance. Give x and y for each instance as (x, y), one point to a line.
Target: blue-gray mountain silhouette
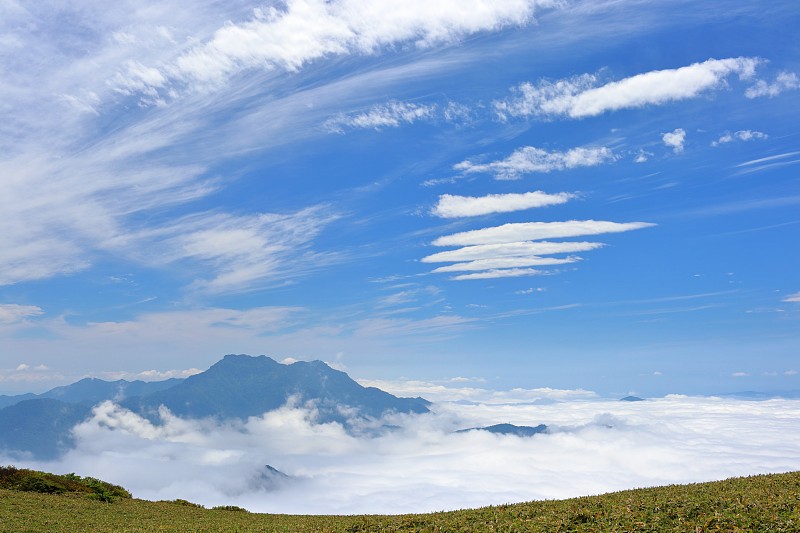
(91, 391)
(510, 429)
(270, 478)
(631, 399)
(238, 386)
(40, 426)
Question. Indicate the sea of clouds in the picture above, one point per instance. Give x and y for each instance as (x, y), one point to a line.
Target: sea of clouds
(419, 464)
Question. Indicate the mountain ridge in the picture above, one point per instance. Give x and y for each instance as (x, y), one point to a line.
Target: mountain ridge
(236, 387)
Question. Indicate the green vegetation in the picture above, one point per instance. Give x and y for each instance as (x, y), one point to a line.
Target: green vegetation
(760, 503)
(24, 480)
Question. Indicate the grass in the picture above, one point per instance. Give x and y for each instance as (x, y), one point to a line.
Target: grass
(766, 503)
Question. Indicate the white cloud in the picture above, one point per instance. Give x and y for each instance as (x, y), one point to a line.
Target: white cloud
(243, 252)
(530, 290)
(392, 114)
(524, 231)
(500, 273)
(450, 206)
(180, 326)
(740, 374)
(580, 97)
(509, 249)
(309, 30)
(594, 446)
(441, 391)
(506, 262)
(642, 156)
(792, 297)
(675, 140)
(411, 295)
(94, 193)
(749, 135)
(425, 329)
(742, 135)
(530, 159)
(457, 113)
(784, 81)
(13, 313)
(24, 374)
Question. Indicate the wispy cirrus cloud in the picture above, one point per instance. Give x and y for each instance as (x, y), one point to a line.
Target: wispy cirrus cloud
(95, 192)
(792, 298)
(242, 252)
(451, 206)
(530, 159)
(308, 30)
(14, 313)
(526, 231)
(581, 97)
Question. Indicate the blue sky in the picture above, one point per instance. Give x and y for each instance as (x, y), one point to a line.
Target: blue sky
(596, 195)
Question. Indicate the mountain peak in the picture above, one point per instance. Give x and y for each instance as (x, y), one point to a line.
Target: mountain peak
(240, 386)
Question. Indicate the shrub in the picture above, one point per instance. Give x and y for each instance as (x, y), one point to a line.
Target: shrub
(31, 482)
(229, 508)
(185, 503)
(34, 481)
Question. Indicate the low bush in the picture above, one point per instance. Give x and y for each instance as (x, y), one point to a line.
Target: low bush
(22, 479)
(229, 508)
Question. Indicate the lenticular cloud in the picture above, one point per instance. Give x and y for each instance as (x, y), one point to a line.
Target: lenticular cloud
(419, 463)
(529, 231)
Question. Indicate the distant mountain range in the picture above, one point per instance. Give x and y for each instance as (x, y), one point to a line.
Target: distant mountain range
(510, 429)
(631, 399)
(91, 391)
(238, 386)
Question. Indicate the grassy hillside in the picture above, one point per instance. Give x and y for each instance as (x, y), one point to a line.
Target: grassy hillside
(758, 503)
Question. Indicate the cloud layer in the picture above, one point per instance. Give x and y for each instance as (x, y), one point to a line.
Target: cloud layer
(594, 446)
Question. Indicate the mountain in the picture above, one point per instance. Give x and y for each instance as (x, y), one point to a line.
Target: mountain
(5, 400)
(240, 386)
(631, 399)
(510, 429)
(40, 426)
(269, 479)
(91, 391)
(762, 395)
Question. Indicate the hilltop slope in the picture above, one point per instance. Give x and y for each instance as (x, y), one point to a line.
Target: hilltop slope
(758, 503)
